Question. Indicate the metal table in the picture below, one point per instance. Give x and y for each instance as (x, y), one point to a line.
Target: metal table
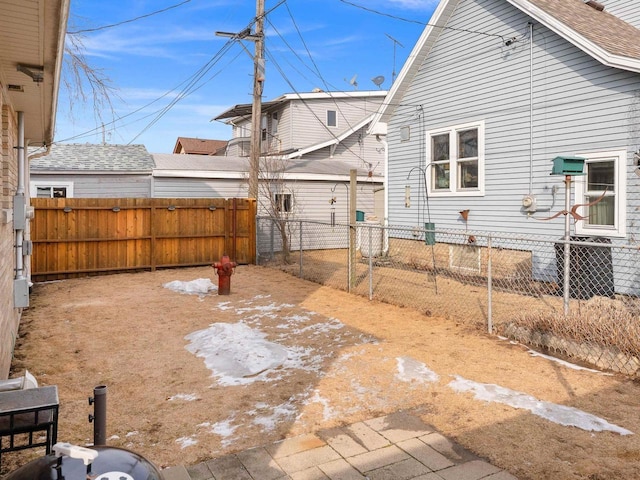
(25, 412)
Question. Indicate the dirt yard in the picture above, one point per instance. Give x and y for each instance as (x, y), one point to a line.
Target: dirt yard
(349, 359)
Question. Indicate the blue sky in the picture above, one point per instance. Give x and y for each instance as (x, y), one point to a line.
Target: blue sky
(151, 61)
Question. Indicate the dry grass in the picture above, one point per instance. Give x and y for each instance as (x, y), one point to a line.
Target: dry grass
(600, 321)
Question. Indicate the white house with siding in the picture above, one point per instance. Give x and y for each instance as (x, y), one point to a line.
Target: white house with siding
(312, 126)
(92, 171)
(492, 92)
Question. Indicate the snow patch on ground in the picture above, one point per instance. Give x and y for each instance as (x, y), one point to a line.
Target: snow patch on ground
(561, 414)
(187, 397)
(236, 353)
(200, 286)
(413, 371)
(328, 412)
(564, 363)
(185, 442)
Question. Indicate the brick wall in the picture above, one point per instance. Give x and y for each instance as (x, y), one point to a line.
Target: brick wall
(9, 316)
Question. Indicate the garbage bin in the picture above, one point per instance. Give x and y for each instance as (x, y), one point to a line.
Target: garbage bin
(371, 239)
(359, 216)
(590, 268)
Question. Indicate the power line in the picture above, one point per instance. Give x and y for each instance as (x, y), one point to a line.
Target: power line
(189, 89)
(104, 27)
(194, 77)
(426, 24)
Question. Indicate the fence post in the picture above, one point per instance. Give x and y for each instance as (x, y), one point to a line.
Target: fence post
(489, 286)
(567, 254)
(370, 264)
(300, 249)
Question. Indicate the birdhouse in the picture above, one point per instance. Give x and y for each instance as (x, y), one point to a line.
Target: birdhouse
(568, 166)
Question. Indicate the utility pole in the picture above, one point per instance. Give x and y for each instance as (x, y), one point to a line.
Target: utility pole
(258, 81)
(256, 111)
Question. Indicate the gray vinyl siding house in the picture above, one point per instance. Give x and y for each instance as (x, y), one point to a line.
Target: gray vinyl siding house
(92, 171)
(319, 125)
(524, 82)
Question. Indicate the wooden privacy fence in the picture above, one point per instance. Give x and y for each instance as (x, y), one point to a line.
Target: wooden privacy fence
(74, 237)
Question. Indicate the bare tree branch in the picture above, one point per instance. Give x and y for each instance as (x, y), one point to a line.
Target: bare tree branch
(87, 84)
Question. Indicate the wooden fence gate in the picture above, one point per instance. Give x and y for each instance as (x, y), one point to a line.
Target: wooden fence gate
(74, 237)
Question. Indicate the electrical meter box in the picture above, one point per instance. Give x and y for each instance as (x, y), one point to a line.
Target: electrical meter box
(568, 166)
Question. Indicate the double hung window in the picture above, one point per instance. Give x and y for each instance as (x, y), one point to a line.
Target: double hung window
(456, 160)
(603, 186)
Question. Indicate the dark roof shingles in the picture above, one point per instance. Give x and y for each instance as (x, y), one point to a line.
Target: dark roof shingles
(94, 157)
(609, 32)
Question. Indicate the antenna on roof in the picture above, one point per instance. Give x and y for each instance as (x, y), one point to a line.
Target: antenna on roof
(395, 42)
(379, 80)
(353, 82)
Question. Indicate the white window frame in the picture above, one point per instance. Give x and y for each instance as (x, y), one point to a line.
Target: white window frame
(619, 229)
(335, 113)
(34, 185)
(453, 190)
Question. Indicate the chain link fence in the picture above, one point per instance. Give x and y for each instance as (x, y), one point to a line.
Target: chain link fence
(507, 284)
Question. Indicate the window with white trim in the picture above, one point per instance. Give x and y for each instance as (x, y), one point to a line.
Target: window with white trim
(51, 189)
(456, 160)
(332, 118)
(604, 185)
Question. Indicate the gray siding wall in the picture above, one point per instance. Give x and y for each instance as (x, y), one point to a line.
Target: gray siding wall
(168, 187)
(309, 118)
(359, 151)
(101, 186)
(312, 199)
(312, 203)
(579, 105)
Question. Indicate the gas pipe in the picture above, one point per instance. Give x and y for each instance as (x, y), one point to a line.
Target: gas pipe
(224, 270)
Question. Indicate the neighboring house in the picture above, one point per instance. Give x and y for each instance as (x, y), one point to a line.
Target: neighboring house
(319, 126)
(89, 170)
(492, 92)
(199, 146)
(123, 171)
(32, 38)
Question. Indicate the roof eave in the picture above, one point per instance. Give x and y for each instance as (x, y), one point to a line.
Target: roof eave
(575, 38)
(312, 148)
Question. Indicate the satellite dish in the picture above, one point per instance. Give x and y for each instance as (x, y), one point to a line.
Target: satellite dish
(379, 80)
(353, 81)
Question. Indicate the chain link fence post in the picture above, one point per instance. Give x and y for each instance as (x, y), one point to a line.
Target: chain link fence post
(370, 264)
(300, 249)
(489, 286)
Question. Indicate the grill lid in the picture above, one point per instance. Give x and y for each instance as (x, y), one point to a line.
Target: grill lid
(110, 463)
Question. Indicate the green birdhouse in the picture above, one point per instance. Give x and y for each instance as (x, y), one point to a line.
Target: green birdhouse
(568, 166)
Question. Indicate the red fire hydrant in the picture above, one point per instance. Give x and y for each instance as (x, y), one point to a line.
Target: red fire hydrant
(224, 270)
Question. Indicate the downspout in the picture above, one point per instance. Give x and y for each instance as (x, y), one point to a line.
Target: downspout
(29, 209)
(530, 108)
(20, 201)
